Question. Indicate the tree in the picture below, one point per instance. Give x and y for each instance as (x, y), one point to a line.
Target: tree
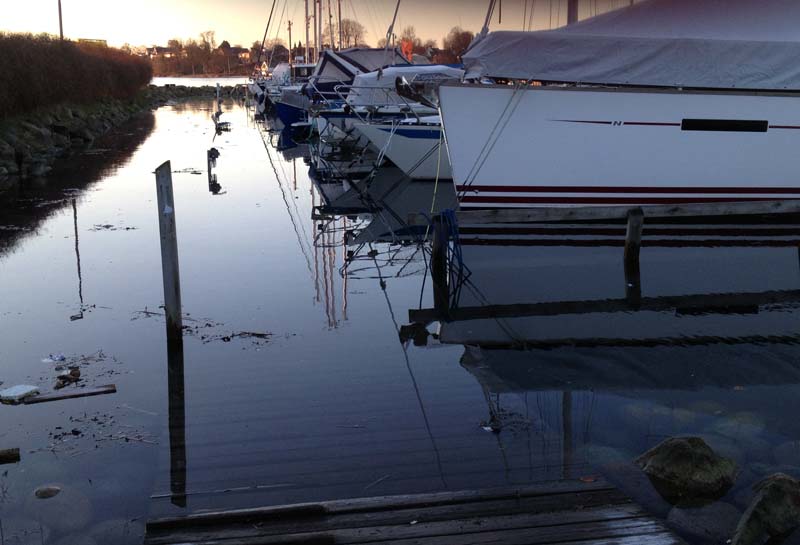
(454, 45)
(353, 33)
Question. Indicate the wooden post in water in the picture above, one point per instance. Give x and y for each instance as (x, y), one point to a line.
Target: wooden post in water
(633, 244)
(439, 268)
(169, 251)
(177, 421)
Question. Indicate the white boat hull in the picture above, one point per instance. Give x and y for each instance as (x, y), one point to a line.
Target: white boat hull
(418, 150)
(558, 146)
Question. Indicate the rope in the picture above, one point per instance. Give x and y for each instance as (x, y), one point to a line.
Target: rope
(494, 135)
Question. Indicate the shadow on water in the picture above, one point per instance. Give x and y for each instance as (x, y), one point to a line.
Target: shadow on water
(26, 204)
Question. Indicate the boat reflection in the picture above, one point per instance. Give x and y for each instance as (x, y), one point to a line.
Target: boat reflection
(710, 349)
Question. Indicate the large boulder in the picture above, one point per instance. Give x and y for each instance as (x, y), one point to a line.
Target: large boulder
(686, 468)
(774, 512)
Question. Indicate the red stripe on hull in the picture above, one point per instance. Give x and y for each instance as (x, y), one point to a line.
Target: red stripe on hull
(601, 200)
(628, 189)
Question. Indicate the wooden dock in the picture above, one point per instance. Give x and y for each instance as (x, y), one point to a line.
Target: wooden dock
(582, 512)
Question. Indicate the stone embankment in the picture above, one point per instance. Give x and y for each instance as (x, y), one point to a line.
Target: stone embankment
(30, 143)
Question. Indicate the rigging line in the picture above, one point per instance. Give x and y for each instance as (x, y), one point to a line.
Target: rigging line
(288, 210)
(494, 136)
(411, 374)
(294, 202)
(266, 31)
(524, 15)
(274, 42)
(532, 20)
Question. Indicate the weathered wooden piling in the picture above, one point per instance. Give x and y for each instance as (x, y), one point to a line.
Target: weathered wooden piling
(169, 251)
(439, 268)
(633, 245)
(177, 421)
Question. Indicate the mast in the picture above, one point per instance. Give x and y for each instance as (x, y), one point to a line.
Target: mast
(307, 57)
(319, 24)
(339, 2)
(266, 30)
(485, 30)
(290, 44)
(330, 23)
(572, 11)
(390, 32)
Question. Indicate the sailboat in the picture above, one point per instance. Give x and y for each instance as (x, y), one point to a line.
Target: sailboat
(665, 101)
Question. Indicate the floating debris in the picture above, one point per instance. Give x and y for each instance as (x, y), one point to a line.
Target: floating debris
(17, 394)
(87, 392)
(9, 456)
(109, 227)
(54, 358)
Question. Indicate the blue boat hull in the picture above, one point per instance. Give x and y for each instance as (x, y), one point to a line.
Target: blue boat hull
(289, 114)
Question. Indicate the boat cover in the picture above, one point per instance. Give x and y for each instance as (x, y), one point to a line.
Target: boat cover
(726, 44)
(378, 87)
(340, 67)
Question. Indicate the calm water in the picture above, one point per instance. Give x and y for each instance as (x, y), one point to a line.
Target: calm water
(326, 402)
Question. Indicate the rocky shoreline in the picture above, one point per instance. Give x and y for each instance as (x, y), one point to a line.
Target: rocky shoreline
(31, 143)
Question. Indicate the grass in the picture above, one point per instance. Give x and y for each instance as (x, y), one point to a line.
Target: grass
(39, 71)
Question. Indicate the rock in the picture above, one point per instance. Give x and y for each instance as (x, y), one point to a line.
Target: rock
(714, 523)
(46, 492)
(687, 468)
(68, 511)
(774, 511)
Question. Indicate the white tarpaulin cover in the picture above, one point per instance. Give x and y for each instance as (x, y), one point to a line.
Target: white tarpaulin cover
(378, 88)
(745, 44)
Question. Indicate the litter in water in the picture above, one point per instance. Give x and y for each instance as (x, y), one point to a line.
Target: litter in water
(16, 394)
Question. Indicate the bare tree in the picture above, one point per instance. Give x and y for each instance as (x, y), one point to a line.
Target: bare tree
(454, 45)
(353, 33)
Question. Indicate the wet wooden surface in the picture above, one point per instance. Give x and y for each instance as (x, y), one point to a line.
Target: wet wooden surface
(574, 511)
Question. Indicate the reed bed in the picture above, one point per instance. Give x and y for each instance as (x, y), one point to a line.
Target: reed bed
(37, 71)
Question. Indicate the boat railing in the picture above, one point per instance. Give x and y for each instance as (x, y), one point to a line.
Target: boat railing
(374, 106)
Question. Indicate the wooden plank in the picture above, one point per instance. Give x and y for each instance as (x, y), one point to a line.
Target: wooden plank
(496, 530)
(9, 456)
(520, 538)
(379, 503)
(658, 304)
(545, 214)
(71, 394)
(602, 505)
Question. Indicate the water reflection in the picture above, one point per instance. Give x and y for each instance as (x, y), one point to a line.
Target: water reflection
(26, 204)
(709, 347)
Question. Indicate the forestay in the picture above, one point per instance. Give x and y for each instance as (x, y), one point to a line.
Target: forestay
(725, 44)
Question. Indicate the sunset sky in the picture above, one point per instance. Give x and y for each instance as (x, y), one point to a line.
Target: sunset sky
(149, 22)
